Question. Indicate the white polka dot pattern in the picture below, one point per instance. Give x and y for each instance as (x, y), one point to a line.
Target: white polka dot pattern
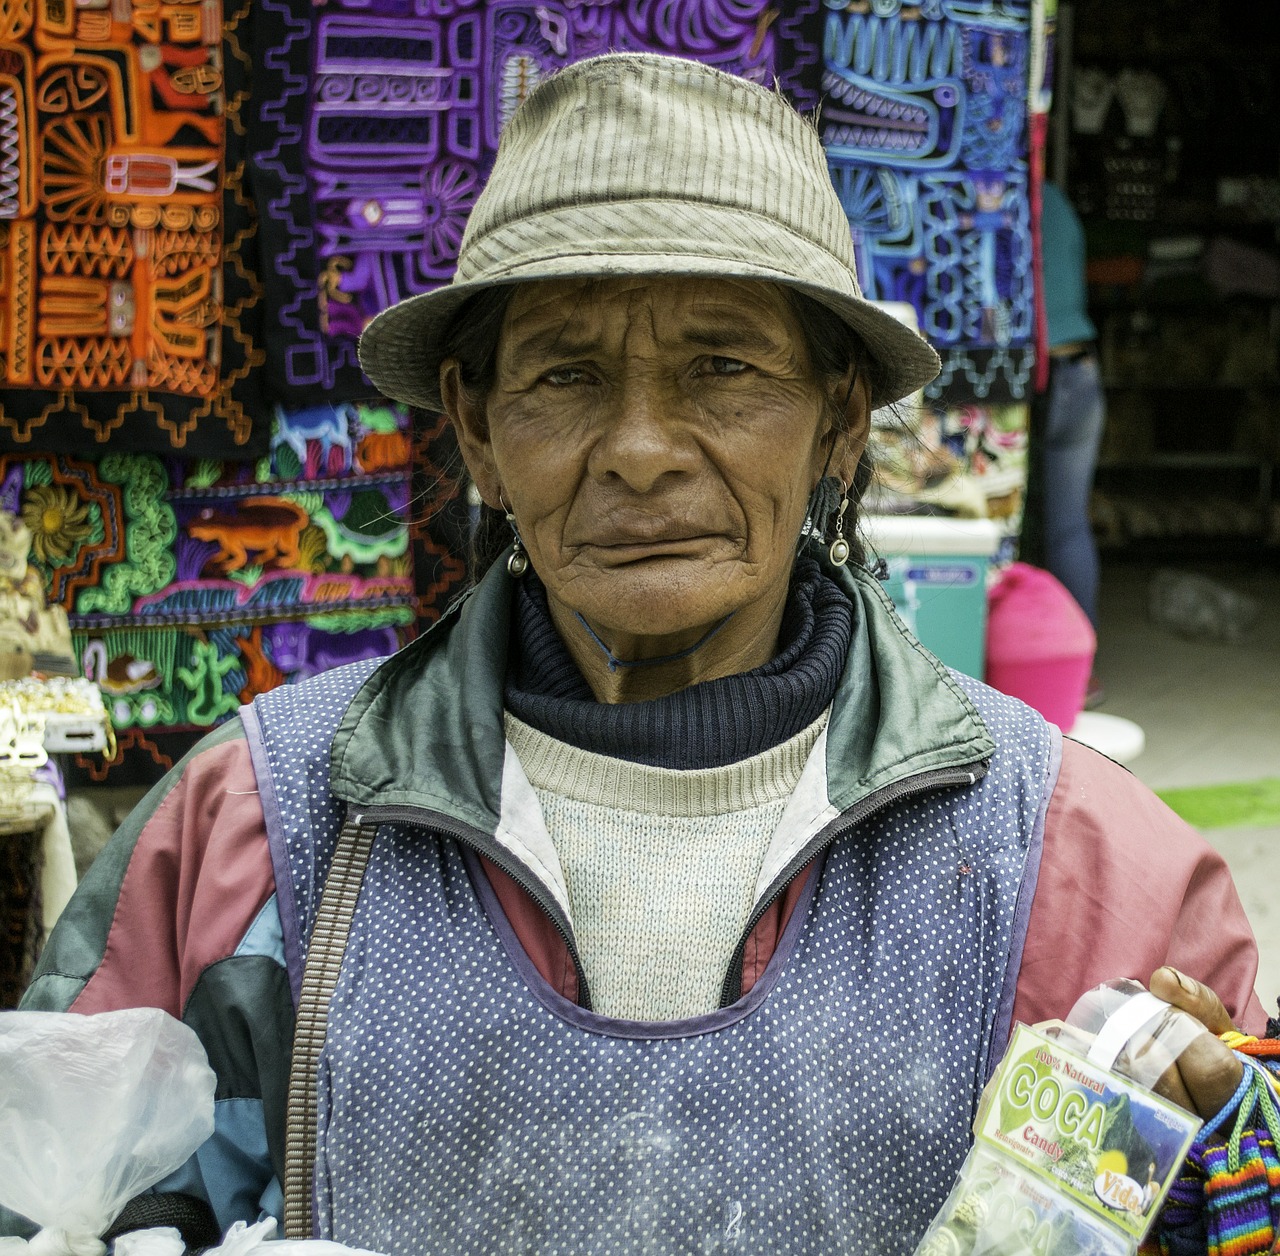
(460, 1113)
(303, 818)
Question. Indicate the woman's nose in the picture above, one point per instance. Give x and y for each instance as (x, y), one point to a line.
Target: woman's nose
(645, 435)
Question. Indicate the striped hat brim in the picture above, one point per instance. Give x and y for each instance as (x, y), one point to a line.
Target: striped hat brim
(402, 348)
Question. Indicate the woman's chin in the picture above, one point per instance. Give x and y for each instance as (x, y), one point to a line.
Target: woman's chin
(655, 597)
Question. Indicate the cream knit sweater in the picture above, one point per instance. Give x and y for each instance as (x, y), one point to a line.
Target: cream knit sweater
(660, 865)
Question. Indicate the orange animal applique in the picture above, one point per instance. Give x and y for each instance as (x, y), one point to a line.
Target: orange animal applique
(266, 527)
(261, 674)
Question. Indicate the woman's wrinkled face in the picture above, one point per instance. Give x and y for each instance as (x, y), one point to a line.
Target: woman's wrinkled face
(657, 441)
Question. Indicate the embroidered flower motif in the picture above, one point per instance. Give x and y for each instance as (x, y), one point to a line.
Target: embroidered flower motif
(58, 521)
(448, 193)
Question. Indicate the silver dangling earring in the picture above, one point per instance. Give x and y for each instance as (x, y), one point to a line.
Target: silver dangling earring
(839, 551)
(518, 562)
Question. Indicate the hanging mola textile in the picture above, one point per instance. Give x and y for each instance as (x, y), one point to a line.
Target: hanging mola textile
(929, 121)
(926, 130)
(191, 586)
(129, 302)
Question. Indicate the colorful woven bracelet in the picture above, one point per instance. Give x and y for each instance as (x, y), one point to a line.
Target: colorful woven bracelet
(1231, 1183)
(1263, 1051)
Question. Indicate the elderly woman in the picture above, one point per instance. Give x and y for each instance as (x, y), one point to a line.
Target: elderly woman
(666, 895)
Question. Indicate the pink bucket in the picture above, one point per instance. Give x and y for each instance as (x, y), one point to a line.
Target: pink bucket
(1040, 644)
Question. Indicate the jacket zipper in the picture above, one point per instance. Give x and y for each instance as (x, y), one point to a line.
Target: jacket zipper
(858, 814)
(435, 822)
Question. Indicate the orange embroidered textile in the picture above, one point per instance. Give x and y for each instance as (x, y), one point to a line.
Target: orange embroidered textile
(127, 295)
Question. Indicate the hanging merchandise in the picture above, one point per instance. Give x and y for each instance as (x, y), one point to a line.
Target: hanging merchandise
(206, 203)
(73, 717)
(33, 635)
(1092, 91)
(933, 122)
(1133, 174)
(346, 162)
(129, 303)
(1141, 94)
(966, 460)
(925, 125)
(37, 866)
(39, 717)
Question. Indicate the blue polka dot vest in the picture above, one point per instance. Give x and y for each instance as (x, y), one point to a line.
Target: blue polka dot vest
(464, 1106)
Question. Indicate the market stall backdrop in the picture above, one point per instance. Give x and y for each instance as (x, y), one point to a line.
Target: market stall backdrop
(202, 203)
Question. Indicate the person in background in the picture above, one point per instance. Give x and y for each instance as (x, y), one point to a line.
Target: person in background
(1072, 429)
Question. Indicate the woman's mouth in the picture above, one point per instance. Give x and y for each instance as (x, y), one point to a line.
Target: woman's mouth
(617, 545)
(627, 546)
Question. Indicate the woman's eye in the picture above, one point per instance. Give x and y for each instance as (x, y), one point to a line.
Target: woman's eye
(724, 366)
(565, 376)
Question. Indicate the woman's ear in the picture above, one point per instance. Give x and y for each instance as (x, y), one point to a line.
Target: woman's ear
(852, 399)
(467, 415)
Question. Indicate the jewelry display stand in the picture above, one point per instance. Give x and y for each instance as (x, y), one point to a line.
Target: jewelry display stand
(39, 718)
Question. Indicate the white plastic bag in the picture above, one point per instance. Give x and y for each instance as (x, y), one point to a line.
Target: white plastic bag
(257, 1240)
(93, 1111)
(160, 1241)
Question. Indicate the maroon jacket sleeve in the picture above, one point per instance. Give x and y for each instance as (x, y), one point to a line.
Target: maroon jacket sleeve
(174, 892)
(177, 912)
(1125, 887)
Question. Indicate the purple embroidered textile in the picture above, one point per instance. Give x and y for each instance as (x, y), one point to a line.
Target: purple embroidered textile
(380, 124)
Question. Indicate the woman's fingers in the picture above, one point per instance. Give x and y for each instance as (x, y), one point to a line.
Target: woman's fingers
(1205, 1077)
(1207, 1072)
(1191, 996)
(1169, 1085)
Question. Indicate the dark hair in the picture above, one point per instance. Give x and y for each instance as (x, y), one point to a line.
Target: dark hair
(833, 348)
(472, 338)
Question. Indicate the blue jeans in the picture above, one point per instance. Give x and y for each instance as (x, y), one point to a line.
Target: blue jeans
(1069, 450)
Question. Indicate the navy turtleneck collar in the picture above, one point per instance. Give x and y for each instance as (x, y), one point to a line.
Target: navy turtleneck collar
(705, 726)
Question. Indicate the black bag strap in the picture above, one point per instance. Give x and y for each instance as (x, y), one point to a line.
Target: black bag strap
(189, 1215)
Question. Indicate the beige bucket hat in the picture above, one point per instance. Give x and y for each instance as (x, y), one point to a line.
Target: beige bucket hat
(633, 164)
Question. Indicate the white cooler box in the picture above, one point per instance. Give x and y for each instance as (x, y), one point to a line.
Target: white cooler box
(938, 580)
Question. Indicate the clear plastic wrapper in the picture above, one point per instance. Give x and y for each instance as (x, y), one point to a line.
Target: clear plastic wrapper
(1073, 1151)
(93, 1111)
(1120, 1025)
(999, 1209)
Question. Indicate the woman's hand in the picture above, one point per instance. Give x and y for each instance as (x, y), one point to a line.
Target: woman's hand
(1207, 1073)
